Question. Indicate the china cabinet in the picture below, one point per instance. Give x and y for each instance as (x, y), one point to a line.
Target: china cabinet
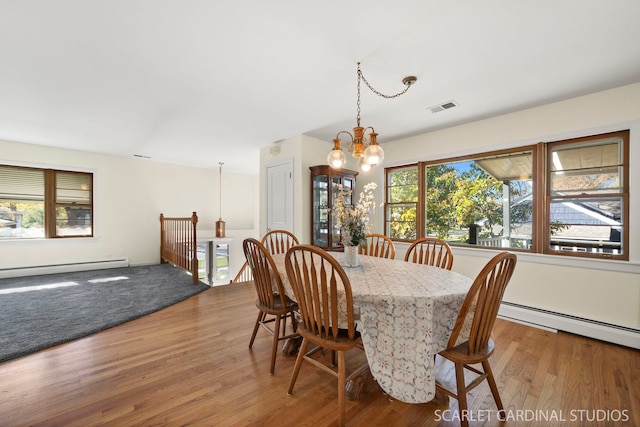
(324, 180)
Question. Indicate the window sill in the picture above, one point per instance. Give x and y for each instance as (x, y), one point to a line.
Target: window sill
(563, 261)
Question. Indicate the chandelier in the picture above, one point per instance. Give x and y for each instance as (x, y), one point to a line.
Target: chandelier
(363, 143)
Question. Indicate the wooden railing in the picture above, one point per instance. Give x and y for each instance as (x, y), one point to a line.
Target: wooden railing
(244, 275)
(178, 244)
(496, 242)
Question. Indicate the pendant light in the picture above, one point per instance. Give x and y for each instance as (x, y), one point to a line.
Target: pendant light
(220, 222)
(363, 145)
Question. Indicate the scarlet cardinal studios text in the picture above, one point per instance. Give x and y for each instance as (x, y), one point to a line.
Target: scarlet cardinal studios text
(574, 415)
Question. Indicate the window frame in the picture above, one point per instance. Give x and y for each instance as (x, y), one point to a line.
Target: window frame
(419, 204)
(541, 157)
(624, 135)
(51, 203)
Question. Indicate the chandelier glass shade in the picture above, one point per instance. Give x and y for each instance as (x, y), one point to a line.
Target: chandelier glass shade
(363, 142)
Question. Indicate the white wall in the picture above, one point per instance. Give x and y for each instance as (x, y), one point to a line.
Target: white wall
(130, 194)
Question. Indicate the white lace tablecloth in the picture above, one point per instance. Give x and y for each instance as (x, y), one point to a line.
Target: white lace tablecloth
(407, 312)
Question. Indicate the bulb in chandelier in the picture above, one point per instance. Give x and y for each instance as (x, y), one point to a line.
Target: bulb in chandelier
(336, 158)
(364, 166)
(374, 154)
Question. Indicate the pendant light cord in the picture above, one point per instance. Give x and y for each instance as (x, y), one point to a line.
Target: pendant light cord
(220, 192)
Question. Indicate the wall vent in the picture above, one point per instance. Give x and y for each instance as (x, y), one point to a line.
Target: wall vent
(444, 106)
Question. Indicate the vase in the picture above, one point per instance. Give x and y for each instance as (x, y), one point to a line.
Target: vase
(351, 258)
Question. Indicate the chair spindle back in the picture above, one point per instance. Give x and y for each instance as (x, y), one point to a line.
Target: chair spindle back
(265, 273)
(321, 288)
(279, 241)
(430, 251)
(486, 293)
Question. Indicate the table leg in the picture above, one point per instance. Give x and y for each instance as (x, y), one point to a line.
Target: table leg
(356, 386)
(359, 385)
(291, 346)
(440, 398)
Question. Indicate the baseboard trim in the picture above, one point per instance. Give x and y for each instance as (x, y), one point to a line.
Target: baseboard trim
(550, 320)
(61, 268)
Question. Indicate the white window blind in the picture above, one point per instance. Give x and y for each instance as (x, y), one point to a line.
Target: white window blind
(21, 184)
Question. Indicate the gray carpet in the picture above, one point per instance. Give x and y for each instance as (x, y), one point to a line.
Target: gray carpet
(37, 312)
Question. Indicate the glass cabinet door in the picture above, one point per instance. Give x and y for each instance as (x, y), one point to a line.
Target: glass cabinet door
(323, 191)
(320, 209)
(348, 183)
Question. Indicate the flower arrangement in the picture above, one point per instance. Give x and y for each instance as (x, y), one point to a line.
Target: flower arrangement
(353, 219)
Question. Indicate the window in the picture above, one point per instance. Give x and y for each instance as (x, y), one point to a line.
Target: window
(402, 203)
(587, 195)
(45, 203)
(566, 198)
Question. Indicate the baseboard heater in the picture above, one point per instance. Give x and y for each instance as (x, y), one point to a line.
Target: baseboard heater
(62, 268)
(550, 320)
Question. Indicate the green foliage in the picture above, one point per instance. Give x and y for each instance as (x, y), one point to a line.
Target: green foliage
(557, 227)
(32, 213)
(403, 189)
(520, 212)
(404, 186)
(33, 216)
(441, 183)
(477, 196)
(455, 198)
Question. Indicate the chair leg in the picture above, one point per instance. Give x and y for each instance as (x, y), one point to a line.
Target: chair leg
(284, 325)
(462, 395)
(492, 385)
(274, 346)
(342, 384)
(255, 328)
(296, 368)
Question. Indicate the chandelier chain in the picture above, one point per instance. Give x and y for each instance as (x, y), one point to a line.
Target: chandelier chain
(361, 76)
(362, 144)
(374, 90)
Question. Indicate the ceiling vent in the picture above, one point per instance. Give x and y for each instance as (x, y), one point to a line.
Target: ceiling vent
(444, 106)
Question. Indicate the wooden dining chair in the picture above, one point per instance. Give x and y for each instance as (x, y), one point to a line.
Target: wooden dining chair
(276, 242)
(318, 281)
(378, 245)
(279, 241)
(485, 295)
(275, 305)
(430, 251)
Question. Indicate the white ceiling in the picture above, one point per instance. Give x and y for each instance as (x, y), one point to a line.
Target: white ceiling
(197, 82)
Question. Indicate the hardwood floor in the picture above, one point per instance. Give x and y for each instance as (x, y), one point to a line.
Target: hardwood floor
(190, 364)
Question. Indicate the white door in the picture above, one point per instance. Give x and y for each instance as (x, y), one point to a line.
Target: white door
(280, 196)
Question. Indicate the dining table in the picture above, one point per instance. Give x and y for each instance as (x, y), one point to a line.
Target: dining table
(406, 314)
